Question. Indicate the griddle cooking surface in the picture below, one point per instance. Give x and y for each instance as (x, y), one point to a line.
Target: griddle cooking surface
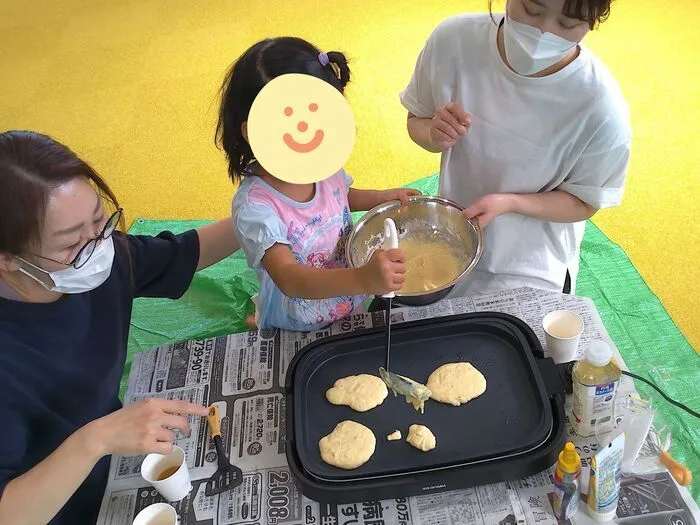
(513, 416)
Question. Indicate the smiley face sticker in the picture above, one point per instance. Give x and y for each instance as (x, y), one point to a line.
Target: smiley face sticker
(301, 129)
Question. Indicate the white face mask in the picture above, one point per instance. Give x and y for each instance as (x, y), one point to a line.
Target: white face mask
(84, 279)
(529, 50)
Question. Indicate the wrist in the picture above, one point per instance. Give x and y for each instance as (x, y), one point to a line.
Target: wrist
(362, 281)
(90, 439)
(428, 143)
(386, 196)
(419, 130)
(513, 203)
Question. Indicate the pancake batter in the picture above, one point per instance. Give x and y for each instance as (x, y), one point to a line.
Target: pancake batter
(349, 446)
(429, 265)
(394, 436)
(360, 392)
(421, 437)
(456, 383)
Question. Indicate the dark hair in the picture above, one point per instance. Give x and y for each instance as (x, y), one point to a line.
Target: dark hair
(31, 165)
(594, 12)
(268, 59)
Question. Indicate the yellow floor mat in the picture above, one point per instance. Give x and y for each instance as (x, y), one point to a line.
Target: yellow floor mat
(132, 86)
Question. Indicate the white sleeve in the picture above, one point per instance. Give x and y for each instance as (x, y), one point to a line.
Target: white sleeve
(598, 176)
(599, 179)
(418, 98)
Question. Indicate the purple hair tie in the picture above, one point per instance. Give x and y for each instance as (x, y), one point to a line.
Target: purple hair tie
(323, 59)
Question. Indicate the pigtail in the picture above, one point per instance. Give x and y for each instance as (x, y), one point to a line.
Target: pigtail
(340, 67)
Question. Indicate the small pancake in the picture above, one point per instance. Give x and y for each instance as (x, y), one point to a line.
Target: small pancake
(421, 437)
(394, 436)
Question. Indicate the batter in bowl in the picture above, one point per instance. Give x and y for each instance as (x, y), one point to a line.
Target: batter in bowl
(429, 265)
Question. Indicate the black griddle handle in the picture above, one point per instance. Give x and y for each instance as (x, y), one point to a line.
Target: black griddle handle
(555, 376)
(566, 372)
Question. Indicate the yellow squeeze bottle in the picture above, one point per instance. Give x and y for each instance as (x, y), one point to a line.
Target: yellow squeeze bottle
(595, 378)
(566, 483)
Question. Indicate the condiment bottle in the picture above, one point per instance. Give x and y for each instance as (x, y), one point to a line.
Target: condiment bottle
(604, 481)
(595, 382)
(566, 483)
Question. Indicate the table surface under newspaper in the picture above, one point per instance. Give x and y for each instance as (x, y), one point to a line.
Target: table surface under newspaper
(244, 375)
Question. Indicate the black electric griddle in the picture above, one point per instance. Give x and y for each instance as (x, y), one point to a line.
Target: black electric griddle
(516, 428)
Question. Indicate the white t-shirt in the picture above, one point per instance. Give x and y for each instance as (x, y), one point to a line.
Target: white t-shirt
(568, 131)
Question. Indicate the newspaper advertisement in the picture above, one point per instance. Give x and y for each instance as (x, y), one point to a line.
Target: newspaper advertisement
(245, 374)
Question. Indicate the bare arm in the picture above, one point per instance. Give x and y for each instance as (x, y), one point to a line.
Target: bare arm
(216, 242)
(554, 206)
(363, 200)
(36, 496)
(419, 131)
(382, 274)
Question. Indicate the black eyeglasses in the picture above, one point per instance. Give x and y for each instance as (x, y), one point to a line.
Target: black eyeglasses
(83, 256)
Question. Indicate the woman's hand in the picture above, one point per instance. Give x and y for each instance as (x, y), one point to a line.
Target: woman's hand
(399, 194)
(143, 427)
(449, 124)
(488, 207)
(37, 495)
(553, 206)
(384, 272)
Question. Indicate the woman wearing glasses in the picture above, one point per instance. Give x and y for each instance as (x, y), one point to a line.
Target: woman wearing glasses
(67, 282)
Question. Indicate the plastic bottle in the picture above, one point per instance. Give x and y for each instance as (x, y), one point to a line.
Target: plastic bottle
(595, 382)
(566, 483)
(604, 483)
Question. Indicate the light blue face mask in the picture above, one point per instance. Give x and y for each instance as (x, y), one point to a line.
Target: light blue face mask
(84, 279)
(529, 50)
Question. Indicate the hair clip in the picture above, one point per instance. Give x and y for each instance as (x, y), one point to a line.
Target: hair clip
(323, 59)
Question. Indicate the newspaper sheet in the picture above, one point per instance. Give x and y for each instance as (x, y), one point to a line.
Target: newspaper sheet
(244, 374)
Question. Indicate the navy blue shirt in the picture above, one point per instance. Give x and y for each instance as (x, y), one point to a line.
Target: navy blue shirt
(61, 362)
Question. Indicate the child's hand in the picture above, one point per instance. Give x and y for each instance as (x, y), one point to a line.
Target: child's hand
(400, 194)
(449, 124)
(384, 272)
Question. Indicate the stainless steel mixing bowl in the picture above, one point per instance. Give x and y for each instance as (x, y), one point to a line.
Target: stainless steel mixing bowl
(425, 218)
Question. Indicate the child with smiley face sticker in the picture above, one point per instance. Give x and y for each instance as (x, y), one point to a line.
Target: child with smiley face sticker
(287, 130)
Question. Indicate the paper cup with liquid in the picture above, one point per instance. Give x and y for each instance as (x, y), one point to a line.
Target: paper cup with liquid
(156, 514)
(562, 331)
(168, 474)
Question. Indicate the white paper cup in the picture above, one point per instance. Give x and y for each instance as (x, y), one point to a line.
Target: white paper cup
(562, 331)
(175, 487)
(157, 514)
